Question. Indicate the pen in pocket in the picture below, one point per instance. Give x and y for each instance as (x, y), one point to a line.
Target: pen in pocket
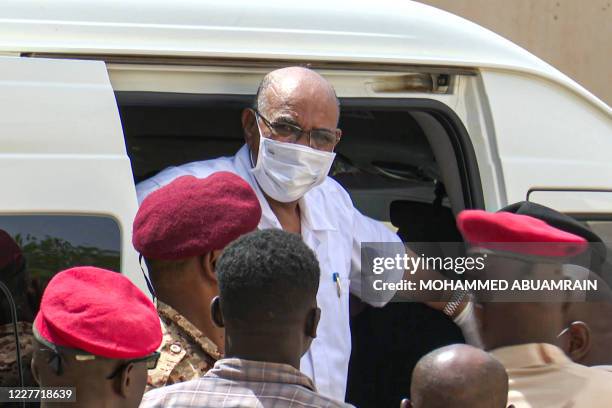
(336, 279)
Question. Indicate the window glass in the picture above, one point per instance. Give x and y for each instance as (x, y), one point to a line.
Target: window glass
(592, 207)
(36, 247)
(603, 229)
(33, 248)
(574, 201)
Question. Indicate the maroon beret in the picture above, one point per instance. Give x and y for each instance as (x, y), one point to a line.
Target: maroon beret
(100, 312)
(521, 234)
(191, 216)
(9, 250)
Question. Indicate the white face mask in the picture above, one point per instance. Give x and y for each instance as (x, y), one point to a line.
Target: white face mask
(287, 171)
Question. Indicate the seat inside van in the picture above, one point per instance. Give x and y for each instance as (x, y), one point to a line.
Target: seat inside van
(386, 162)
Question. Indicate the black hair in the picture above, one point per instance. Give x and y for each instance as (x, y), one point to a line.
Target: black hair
(268, 275)
(161, 269)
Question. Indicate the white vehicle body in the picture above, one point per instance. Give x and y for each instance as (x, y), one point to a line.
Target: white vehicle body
(62, 148)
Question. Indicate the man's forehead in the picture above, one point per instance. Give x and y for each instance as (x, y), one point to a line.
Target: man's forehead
(296, 97)
(293, 90)
(303, 112)
(293, 78)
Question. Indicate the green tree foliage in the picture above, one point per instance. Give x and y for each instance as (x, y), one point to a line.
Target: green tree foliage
(49, 255)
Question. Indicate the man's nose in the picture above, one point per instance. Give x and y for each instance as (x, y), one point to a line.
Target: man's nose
(304, 139)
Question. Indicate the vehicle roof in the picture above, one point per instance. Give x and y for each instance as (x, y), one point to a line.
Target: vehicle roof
(365, 31)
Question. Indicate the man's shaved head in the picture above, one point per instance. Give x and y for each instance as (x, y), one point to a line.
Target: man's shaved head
(459, 376)
(291, 84)
(296, 96)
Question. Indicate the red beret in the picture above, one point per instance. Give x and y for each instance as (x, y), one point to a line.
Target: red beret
(507, 232)
(191, 216)
(100, 312)
(9, 250)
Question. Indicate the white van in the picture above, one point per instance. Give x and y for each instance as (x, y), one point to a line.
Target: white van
(438, 114)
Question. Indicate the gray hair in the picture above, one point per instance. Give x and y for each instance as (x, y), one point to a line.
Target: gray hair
(261, 102)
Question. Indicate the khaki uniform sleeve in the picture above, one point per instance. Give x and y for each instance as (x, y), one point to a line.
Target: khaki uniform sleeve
(185, 353)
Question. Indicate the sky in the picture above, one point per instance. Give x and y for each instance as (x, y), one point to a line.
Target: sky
(101, 232)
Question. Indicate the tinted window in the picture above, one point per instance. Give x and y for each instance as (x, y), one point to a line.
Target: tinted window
(603, 229)
(33, 248)
(43, 245)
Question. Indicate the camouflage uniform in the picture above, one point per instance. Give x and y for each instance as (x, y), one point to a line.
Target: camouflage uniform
(186, 352)
(9, 376)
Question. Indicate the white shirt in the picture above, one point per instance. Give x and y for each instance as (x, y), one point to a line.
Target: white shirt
(334, 229)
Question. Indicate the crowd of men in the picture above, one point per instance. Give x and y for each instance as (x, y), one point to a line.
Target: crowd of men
(251, 260)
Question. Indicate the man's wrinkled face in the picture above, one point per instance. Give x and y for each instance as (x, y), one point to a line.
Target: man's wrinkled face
(296, 98)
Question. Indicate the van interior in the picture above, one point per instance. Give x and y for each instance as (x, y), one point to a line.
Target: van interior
(402, 161)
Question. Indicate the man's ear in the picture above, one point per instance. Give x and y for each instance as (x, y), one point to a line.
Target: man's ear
(580, 341)
(406, 403)
(339, 138)
(215, 310)
(208, 263)
(312, 322)
(249, 127)
(126, 381)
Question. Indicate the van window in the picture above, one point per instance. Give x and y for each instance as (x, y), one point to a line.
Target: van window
(582, 202)
(35, 247)
(603, 228)
(590, 206)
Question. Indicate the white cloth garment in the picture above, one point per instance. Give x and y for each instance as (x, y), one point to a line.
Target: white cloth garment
(334, 229)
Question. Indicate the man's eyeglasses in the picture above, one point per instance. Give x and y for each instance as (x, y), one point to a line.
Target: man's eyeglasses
(58, 353)
(320, 139)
